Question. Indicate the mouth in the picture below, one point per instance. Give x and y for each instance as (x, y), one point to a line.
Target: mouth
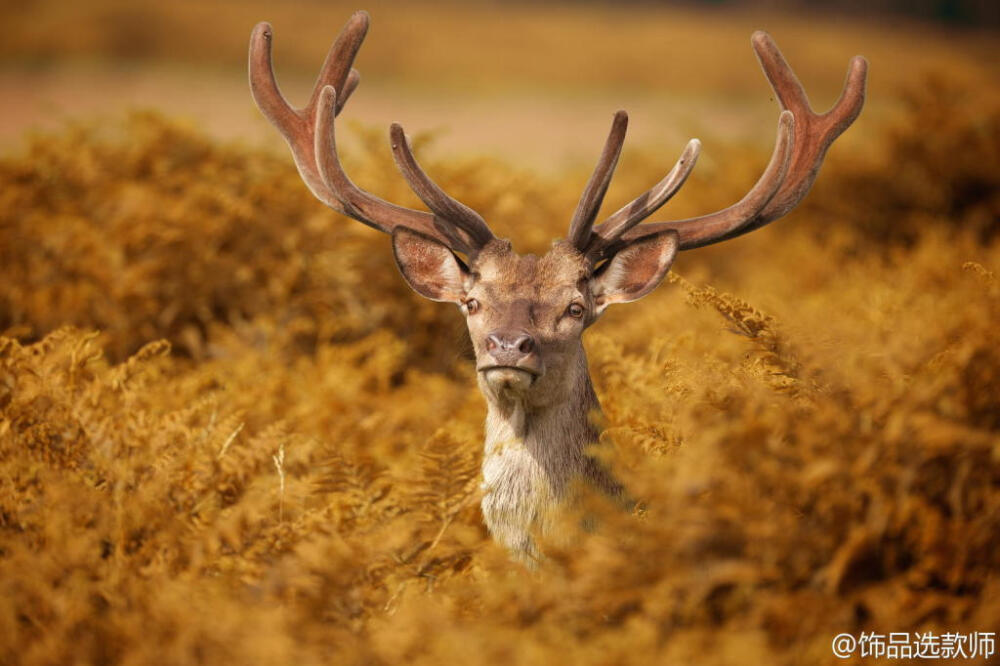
(509, 378)
(490, 368)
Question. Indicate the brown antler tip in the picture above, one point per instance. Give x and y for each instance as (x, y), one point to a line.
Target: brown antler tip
(692, 150)
(847, 108)
(784, 143)
(396, 135)
(619, 125)
(327, 97)
(262, 29)
(350, 85)
(360, 18)
(260, 38)
(761, 40)
(858, 66)
(857, 74)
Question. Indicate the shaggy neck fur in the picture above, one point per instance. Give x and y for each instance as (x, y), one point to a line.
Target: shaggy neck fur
(535, 449)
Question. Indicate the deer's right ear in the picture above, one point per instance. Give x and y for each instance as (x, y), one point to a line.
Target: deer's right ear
(430, 268)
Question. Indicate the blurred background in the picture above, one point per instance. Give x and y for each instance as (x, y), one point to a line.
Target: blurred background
(229, 433)
(531, 82)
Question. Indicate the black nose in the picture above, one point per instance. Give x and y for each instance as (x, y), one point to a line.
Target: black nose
(509, 348)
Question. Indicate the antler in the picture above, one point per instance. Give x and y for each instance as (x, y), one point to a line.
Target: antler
(803, 139)
(639, 208)
(310, 134)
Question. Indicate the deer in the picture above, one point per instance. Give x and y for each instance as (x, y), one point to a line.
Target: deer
(526, 314)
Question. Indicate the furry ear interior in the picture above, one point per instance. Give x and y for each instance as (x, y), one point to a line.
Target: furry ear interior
(430, 268)
(635, 270)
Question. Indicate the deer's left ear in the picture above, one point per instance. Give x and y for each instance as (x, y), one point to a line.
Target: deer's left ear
(635, 270)
(430, 268)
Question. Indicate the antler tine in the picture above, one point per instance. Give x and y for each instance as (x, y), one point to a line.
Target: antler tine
(646, 203)
(310, 133)
(794, 165)
(295, 125)
(357, 203)
(263, 86)
(431, 194)
(593, 194)
(336, 70)
(815, 131)
(708, 229)
(350, 85)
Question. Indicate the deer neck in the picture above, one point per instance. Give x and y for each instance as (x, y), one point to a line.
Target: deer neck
(549, 427)
(534, 450)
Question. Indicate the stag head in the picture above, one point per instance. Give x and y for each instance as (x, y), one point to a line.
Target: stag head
(525, 312)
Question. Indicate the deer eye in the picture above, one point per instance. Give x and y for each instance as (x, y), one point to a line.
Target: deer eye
(472, 306)
(575, 310)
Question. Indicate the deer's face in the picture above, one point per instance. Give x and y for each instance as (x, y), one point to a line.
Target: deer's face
(526, 314)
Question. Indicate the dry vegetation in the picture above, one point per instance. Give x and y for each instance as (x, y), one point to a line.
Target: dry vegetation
(230, 434)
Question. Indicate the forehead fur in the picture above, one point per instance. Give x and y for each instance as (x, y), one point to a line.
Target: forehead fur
(561, 266)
